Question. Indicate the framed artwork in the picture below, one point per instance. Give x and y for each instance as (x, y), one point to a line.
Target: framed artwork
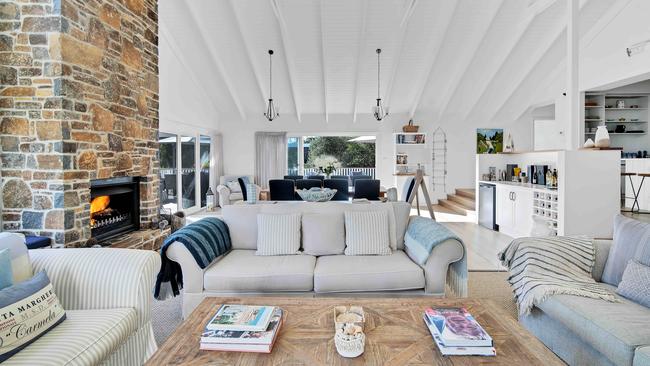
(489, 140)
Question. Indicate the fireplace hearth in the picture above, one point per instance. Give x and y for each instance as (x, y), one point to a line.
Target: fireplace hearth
(114, 207)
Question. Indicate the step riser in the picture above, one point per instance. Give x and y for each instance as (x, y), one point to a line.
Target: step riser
(464, 193)
(454, 207)
(463, 201)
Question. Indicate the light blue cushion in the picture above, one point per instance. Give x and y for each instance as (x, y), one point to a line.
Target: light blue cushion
(251, 193)
(636, 283)
(39, 318)
(6, 274)
(629, 236)
(245, 180)
(642, 356)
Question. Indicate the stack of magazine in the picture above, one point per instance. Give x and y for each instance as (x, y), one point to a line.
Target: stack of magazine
(457, 333)
(242, 328)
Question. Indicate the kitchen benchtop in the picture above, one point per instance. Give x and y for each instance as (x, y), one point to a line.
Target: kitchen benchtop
(516, 184)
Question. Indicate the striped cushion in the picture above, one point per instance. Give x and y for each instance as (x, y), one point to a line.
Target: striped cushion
(366, 233)
(278, 234)
(86, 337)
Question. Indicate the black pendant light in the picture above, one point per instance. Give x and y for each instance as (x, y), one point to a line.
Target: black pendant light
(379, 111)
(271, 111)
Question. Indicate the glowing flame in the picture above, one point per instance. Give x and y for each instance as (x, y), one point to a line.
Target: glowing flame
(98, 204)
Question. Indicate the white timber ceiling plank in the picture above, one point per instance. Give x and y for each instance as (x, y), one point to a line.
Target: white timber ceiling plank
(483, 30)
(249, 54)
(323, 59)
(361, 45)
(288, 57)
(403, 27)
(214, 55)
(446, 13)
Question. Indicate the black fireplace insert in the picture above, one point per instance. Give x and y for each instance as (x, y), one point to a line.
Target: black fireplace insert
(114, 207)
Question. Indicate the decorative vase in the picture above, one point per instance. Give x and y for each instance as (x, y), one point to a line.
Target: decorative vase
(589, 144)
(602, 137)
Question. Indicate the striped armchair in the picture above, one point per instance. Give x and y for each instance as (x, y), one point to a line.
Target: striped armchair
(107, 295)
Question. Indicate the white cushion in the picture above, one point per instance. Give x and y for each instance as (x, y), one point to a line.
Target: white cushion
(234, 186)
(242, 224)
(278, 234)
(323, 234)
(85, 337)
(341, 273)
(366, 233)
(237, 196)
(21, 266)
(243, 271)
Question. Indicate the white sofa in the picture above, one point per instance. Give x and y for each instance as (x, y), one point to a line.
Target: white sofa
(106, 294)
(240, 271)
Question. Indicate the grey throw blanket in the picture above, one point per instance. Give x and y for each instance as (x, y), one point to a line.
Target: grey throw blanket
(542, 267)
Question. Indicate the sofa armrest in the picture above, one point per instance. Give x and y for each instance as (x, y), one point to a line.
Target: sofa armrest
(224, 195)
(192, 273)
(601, 248)
(101, 278)
(437, 265)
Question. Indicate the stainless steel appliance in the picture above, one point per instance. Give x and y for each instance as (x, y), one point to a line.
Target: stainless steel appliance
(487, 208)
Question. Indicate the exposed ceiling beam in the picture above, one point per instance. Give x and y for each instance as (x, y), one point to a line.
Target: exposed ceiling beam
(324, 66)
(462, 65)
(514, 42)
(249, 52)
(230, 86)
(288, 56)
(166, 36)
(362, 43)
(403, 27)
(585, 41)
(532, 64)
(433, 56)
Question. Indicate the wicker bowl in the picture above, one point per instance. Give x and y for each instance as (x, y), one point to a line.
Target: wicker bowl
(350, 345)
(410, 128)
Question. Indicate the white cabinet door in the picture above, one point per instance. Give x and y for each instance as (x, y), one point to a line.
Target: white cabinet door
(505, 210)
(523, 211)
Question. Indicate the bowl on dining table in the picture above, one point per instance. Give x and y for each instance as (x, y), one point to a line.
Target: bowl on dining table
(316, 194)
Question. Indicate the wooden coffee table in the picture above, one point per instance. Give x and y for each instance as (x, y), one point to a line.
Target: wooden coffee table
(396, 335)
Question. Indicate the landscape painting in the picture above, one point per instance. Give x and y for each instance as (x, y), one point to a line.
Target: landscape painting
(489, 140)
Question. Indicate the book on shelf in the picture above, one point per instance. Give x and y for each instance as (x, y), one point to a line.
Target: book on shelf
(241, 317)
(457, 327)
(456, 350)
(244, 341)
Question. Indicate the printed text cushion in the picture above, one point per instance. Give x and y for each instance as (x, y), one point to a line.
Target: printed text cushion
(323, 234)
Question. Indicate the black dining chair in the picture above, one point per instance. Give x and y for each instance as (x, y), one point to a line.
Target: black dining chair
(319, 177)
(308, 183)
(293, 177)
(341, 186)
(367, 188)
(282, 189)
(355, 178)
(345, 177)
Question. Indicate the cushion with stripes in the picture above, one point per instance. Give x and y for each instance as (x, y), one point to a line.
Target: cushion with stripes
(367, 233)
(278, 234)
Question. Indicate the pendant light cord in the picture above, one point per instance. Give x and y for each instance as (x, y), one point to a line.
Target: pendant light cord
(378, 72)
(270, 74)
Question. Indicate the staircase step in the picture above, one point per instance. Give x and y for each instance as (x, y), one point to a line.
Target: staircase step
(455, 206)
(466, 202)
(466, 192)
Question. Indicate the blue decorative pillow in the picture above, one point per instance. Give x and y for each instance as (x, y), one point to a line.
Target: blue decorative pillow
(246, 180)
(6, 274)
(28, 310)
(251, 193)
(629, 236)
(635, 284)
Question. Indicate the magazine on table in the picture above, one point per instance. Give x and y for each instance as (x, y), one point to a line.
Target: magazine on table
(241, 317)
(244, 336)
(457, 327)
(243, 341)
(456, 350)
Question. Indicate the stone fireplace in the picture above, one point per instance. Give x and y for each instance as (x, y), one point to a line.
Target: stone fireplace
(114, 207)
(78, 106)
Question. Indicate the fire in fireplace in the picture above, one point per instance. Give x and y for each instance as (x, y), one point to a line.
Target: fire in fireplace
(114, 206)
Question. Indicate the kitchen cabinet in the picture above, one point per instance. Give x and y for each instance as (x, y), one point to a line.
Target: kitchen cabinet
(514, 210)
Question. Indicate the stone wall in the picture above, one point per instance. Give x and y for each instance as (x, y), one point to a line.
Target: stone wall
(79, 101)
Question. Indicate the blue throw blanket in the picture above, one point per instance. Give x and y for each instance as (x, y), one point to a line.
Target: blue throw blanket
(422, 235)
(205, 239)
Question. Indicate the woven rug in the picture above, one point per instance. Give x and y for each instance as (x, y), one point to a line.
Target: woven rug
(166, 315)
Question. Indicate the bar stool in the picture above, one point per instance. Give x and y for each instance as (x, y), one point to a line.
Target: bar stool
(635, 192)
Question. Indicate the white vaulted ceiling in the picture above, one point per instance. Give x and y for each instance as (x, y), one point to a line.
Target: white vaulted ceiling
(465, 59)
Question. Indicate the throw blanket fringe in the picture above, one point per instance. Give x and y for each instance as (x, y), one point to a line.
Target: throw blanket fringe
(543, 267)
(457, 276)
(205, 239)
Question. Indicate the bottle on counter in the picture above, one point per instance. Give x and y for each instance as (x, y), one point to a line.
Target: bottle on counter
(549, 177)
(554, 180)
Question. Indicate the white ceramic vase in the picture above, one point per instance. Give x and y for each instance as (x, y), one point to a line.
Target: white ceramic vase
(602, 137)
